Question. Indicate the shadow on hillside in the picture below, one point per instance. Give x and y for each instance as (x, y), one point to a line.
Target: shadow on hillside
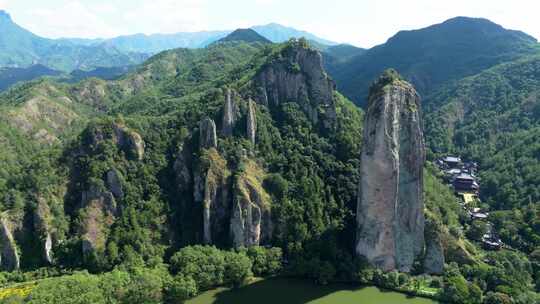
(278, 290)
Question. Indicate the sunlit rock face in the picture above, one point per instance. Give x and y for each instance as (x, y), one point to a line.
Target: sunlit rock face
(390, 217)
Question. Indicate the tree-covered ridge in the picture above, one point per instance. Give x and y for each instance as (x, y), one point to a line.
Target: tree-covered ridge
(432, 56)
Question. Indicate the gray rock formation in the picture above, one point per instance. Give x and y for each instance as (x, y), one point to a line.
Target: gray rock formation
(42, 228)
(228, 115)
(251, 128)
(211, 190)
(299, 77)
(182, 169)
(130, 141)
(390, 213)
(251, 222)
(114, 183)
(207, 134)
(434, 256)
(124, 138)
(9, 256)
(434, 259)
(99, 212)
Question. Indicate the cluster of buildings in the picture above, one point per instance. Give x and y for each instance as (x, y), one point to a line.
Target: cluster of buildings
(461, 176)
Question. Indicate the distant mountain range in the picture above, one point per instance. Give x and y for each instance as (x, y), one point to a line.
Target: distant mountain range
(19, 48)
(155, 43)
(26, 56)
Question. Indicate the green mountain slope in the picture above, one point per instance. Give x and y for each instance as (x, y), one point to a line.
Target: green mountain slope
(494, 118)
(434, 55)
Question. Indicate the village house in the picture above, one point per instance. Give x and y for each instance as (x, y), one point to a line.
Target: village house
(465, 183)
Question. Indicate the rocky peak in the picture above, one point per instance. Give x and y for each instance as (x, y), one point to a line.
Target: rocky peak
(228, 114)
(390, 213)
(251, 127)
(297, 74)
(207, 134)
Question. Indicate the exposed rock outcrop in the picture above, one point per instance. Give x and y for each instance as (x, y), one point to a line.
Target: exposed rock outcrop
(130, 141)
(43, 229)
(251, 222)
(251, 127)
(99, 212)
(182, 169)
(124, 138)
(211, 189)
(390, 213)
(298, 76)
(114, 183)
(229, 116)
(8, 251)
(434, 259)
(207, 134)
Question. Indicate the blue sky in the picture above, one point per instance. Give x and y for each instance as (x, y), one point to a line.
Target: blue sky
(360, 22)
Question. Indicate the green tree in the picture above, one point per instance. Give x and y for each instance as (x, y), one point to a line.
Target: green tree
(181, 288)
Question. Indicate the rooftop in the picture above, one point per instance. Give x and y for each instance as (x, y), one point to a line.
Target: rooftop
(452, 159)
(465, 177)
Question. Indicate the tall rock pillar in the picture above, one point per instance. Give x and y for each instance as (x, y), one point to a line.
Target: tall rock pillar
(390, 210)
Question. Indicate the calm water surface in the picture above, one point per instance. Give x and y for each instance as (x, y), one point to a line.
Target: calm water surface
(292, 291)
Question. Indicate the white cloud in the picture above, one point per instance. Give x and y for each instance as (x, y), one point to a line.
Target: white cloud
(73, 19)
(167, 16)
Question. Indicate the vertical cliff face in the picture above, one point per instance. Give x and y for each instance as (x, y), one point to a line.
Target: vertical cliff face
(207, 134)
(211, 190)
(434, 257)
(251, 222)
(8, 249)
(229, 116)
(251, 127)
(99, 210)
(43, 229)
(298, 76)
(390, 218)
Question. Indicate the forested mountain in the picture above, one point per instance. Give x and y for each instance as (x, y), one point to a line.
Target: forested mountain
(245, 35)
(434, 55)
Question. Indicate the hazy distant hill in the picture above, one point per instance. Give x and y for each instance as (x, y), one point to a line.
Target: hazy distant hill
(21, 48)
(279, 33)
(159, 42)
(11, 76)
